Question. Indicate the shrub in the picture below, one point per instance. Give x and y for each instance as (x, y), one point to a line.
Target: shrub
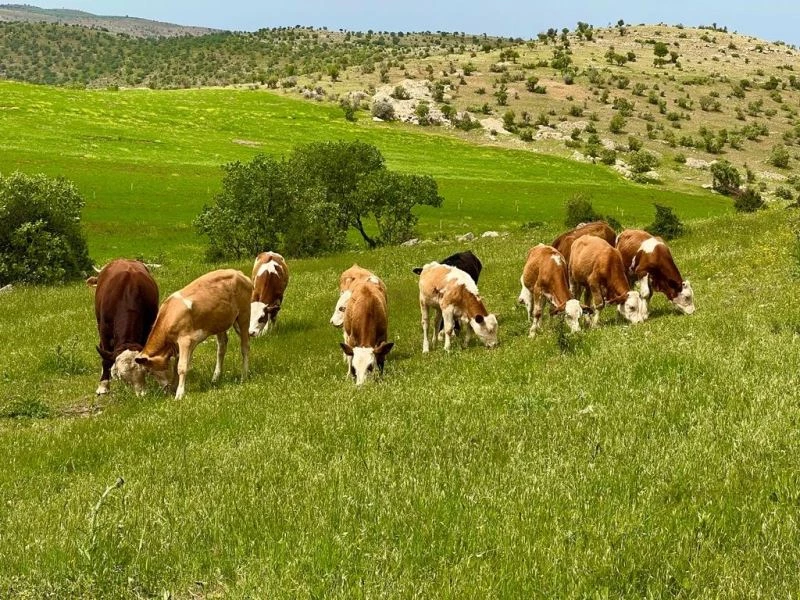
(725, 178)
(617, 124)
(642, 161)
(779, 157)
(423, 111)
(634, 143)
(784, 192)
(41, 240)
(383, 109)
(580, 210)
(400, 93)
(748, 200)
(608, 156)
(666, 223)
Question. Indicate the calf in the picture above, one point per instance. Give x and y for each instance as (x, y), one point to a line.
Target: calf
(601, 229)
(544, 278)
(270, 278)
(347, 279)
(125, 306)
(649, 261)
(209, 305)
(596, 268)
(453, 295)
(366, 322)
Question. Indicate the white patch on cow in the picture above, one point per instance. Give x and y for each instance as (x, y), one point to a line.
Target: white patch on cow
(685, 300)
(256, 312)
(268, 267)
(186, 301)
(102, 388)
(461, 278)
(634, 309)
(556, 259)
(649, 245)
(337, 319)
(128, 370)
(363, 363)
(486, 331)
(374, 279)
(572, 315)
(525, 297)
(644, 286)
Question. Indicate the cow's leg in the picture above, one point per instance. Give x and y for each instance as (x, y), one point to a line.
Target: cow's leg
(467, 330)
(447, 315)
(597, 303)
(222, 346)
(644, 286)
(423, 309)
(536, 322)
(244, 341)
(185, 350)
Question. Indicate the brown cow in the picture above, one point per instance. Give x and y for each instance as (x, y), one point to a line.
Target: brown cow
(596, 268)
(270, 278)
(601, 229)
(366, 322)
(125, 306)
(347, 279)
(209, 305)
(648, 259)
(452, 294)
(544, 278)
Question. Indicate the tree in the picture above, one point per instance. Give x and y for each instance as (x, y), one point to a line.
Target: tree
(779, 157)
(666, 223)
(725, 178)
(748, 200)
(580, 210)
(41, 240)
(617, 123)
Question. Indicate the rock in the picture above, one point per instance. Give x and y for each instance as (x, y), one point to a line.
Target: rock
(377, 119)
(653, 176)
(699, 163)
(492, 124)
(467, 237)
(6, 289)
(490, 234)
(411, 242)
(608, 144)
(581, 157)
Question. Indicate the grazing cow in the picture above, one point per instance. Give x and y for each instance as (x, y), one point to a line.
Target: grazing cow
(649, 260)
(347, 279)
(601, 229)
(453, 295)
(270, 278)
(125, 305)
(596, 268)
(209, 305)
(544, 278)
(366, 322)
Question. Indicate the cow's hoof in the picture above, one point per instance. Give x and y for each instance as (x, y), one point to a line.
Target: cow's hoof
(102, 388)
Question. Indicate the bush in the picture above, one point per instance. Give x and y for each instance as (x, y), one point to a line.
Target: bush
(608, 156)
(617, 123)
(580, 210)
(383, 109)
(400, 93)
(41, 240)
(666, 224)
(779, 156)
(784, 192)
(642, 161)
(748, 200)
(634, 143)
(725, 178)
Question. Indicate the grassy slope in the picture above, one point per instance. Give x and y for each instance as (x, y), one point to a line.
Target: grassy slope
(161, 150)
(651, 460)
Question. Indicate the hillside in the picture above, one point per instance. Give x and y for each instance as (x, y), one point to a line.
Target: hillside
(131, 26)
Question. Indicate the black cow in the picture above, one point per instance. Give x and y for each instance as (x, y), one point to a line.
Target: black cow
(465, 261)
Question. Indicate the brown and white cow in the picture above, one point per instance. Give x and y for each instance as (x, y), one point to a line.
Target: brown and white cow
(601, 229)
(649, 260)
(125, 306)
(347, 279)
(270, 278)
(452, 294)
(544, 279)
(209, 305)
(366, 323)
(597, 269)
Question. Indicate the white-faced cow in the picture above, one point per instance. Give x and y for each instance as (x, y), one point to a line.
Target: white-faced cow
(209, 305)
(601, 229)
(125, 305)
(544, 279)
(649, 260)
(596, 269)
(452, 295)
(270, 278)
(366, 323)
(347, 280)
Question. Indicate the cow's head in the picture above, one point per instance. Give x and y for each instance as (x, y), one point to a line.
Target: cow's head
(262, 316)
(159, 368)
(685, 299)
(363, 360)
(486, 329)
(125, 368)
(631, 306)
(572, 311)
(337, 319)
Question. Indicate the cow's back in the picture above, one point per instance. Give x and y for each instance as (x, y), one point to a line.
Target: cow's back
(628, 244)
(545, 264)
(351, 275)
(126, 299)
(366, 320)
(270, 278)
(211, 303)
(593, 255)
(467, 262)
(599, 229)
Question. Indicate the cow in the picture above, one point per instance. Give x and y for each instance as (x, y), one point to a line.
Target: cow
(366, 322)
(596, 268)
(544, 279)
(347, 279)
(452, 295)
(649, 261)
(125, 306)
(270, 278)
(209, 305)
(601, 229)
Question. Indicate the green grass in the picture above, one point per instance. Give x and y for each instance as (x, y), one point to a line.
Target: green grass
(146, 162)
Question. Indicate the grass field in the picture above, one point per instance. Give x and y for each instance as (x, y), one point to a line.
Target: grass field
(649, 461)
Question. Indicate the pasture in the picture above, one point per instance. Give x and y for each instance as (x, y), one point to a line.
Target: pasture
(647, 461)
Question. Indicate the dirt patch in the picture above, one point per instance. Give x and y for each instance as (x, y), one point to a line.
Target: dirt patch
(248, 143)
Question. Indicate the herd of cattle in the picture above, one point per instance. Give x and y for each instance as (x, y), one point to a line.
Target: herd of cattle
(591, 261)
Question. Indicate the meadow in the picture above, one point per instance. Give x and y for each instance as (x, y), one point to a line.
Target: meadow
(656, 460)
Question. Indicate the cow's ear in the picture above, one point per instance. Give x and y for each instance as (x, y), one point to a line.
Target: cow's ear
(383, 349)
(104, 354)
(92, 281)
(685, 284)
(346, 349)
(143, 360)
(619, 299)
(416, 270)
(587, 310)
(557, 310)
(479, 319)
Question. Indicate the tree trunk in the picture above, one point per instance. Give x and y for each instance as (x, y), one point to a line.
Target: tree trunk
(370, 242)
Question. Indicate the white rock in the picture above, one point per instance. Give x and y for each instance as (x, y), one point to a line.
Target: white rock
(467, 237)
(411, 242)
(377, 119)
(490, 234)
